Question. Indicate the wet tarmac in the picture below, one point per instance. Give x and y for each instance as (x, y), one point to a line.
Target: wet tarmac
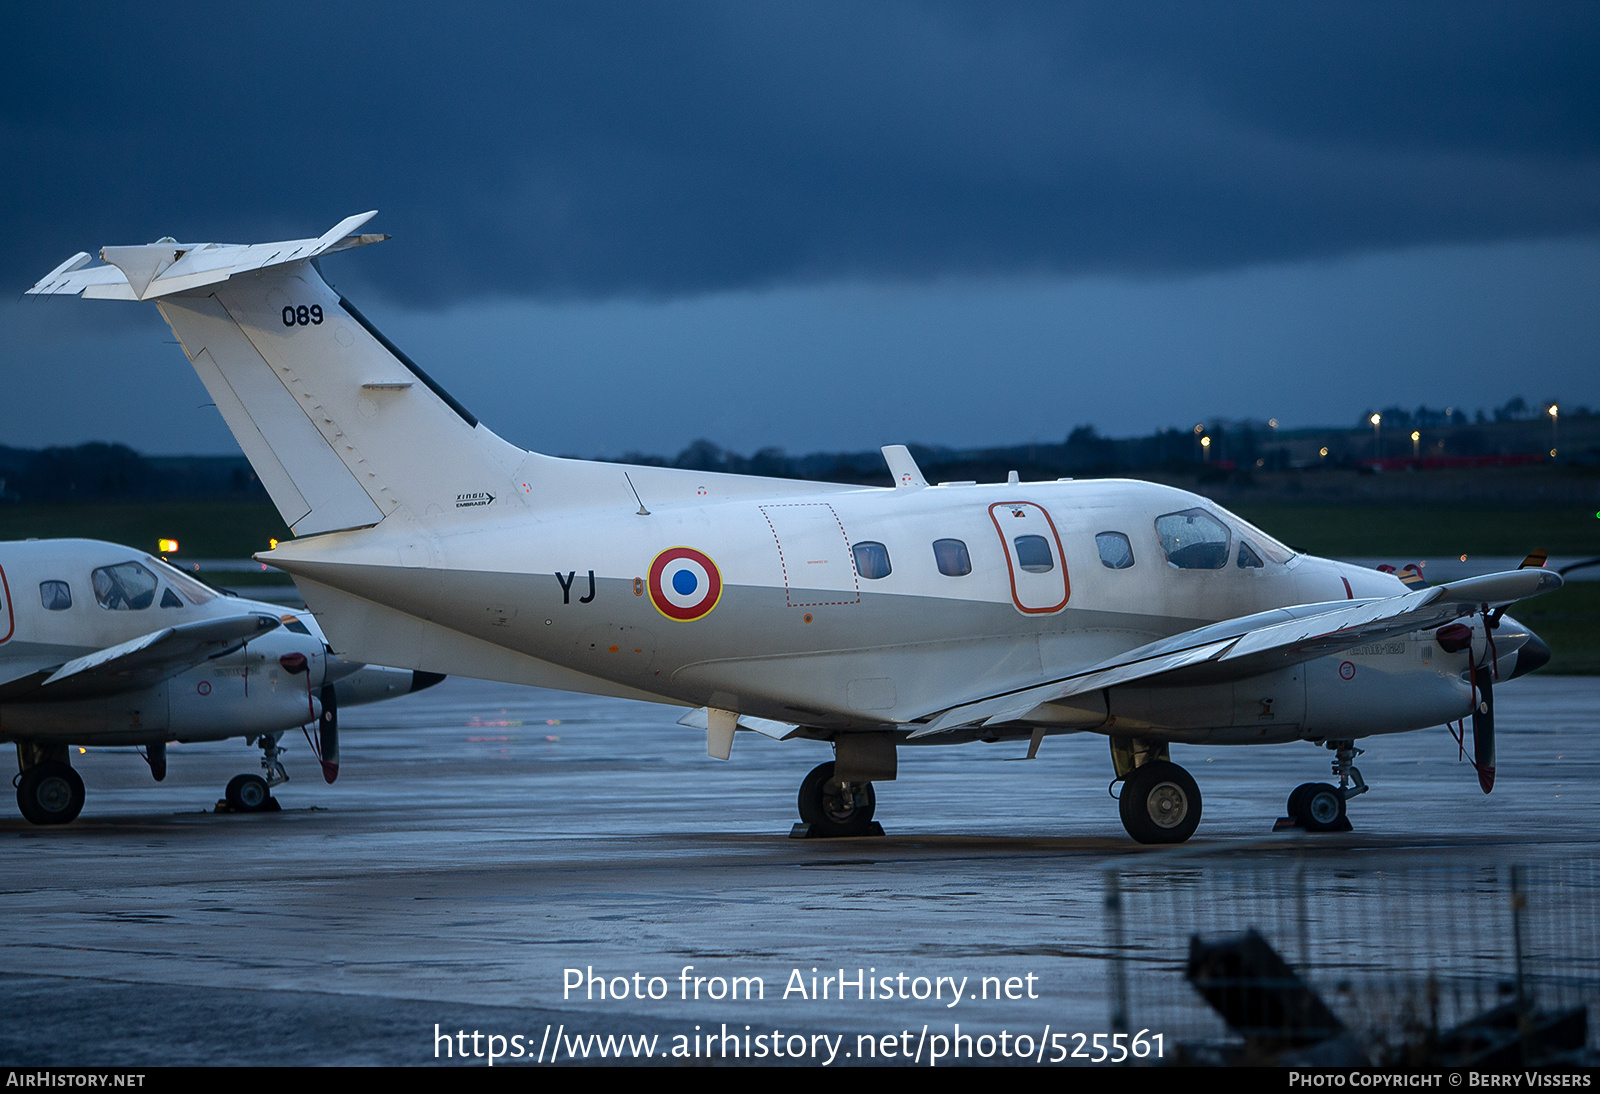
(483, 839)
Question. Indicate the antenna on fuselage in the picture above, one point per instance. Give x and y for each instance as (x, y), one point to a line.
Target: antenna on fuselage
(643, 512)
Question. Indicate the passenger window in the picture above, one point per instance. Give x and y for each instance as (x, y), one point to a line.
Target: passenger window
(125, 587)
(55, 595)
(1116, 553)
(1248, 559)
(1193, 540)
(169, 599)
(952, 557)
(1033, 554)
(872, 560)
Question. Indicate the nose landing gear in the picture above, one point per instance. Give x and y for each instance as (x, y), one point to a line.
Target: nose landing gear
(253, 793)
(1320, 807)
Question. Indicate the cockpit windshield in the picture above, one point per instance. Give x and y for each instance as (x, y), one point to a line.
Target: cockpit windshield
(194, 590)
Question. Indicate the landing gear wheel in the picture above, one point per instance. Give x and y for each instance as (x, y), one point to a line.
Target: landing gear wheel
(834, 808)
(248, 794)
(50, 793)
(1160, 803)
(1318, 807)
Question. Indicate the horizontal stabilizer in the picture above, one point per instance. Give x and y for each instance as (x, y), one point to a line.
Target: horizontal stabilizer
(1252, 644)
(150, 658)
(159, 269)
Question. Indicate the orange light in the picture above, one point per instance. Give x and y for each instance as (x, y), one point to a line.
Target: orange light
(272, 545)
(167, 546)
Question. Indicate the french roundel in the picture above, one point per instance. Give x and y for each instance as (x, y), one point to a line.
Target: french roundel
(684, 583)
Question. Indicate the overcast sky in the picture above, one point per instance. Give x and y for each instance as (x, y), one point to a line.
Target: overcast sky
(627, 226)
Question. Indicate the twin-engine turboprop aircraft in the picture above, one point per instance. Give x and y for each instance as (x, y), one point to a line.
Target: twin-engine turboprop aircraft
(869, 618)
(104, 645)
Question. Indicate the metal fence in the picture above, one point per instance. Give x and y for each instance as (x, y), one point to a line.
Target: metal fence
(1396, 955)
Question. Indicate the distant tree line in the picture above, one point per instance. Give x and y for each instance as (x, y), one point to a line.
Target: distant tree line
(100, 472)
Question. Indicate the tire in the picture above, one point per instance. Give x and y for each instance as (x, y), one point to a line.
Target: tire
(1297, 799)
(248, 794)
(50, 793)
(1321, 808)
(832, 808)
(1160, 803)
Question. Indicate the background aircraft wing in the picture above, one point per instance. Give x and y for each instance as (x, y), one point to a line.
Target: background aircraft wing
(1252, 644)
(142, 661)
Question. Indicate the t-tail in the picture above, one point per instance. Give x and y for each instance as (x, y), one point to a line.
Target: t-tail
(342, 428)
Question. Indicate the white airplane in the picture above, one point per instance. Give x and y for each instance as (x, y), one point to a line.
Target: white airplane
(105, 645)
(870, 618)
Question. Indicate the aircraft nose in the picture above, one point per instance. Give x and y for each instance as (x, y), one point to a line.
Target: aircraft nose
(1534, 654)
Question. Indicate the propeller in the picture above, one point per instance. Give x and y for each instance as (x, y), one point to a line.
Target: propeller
(1483, 729)
(328, 733)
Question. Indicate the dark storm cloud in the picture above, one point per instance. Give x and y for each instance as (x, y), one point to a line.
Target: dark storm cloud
(598, 150)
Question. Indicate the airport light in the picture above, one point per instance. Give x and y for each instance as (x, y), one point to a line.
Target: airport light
(1555, 441)
(1322, 453)
(1205, 446)
(166, 546)
(1416, 443)
(1377, 450)
(272, 545)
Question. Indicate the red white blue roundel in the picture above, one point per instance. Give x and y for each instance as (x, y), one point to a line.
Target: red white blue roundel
(684, 583)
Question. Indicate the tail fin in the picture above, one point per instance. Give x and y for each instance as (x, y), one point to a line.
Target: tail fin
(342, 428)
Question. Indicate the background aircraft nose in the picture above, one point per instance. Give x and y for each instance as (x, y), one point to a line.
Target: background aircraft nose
(1534, 654)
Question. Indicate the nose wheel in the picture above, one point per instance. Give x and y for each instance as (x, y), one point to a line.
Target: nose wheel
(1320, 807)
(253, 793)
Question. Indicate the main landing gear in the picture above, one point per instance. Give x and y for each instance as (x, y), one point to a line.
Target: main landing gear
(830, 807)
(1160, 802)
(1320, 807)
(48, 790)
(253, 793)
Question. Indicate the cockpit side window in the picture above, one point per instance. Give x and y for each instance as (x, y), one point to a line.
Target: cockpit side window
(1116, 553)
(1193, 540)
(169, 599)
(56, 596)
(124, 587)
(1248, 559)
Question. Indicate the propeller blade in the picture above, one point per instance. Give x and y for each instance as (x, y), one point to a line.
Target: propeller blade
(1483, 730)
(328, 733)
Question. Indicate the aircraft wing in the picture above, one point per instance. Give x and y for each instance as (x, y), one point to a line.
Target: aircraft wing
(142, 661)
(1252, 644)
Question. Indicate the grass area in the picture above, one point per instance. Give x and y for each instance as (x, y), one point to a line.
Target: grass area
(1569, 622)
(1418, 531)
(202, 529)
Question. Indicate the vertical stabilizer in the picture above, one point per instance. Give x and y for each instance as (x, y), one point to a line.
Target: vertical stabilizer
(342, 428)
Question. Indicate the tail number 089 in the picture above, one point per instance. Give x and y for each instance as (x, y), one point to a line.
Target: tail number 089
(302, 316)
